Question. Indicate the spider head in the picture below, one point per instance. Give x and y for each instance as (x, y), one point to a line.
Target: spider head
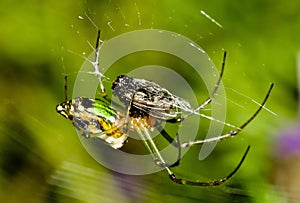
(65, 109)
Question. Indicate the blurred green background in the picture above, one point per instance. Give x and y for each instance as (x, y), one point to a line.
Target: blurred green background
(41, 157)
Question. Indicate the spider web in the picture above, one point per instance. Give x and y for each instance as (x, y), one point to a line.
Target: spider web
(116, 17)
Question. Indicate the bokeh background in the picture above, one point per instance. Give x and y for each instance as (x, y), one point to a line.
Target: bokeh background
(41, 157)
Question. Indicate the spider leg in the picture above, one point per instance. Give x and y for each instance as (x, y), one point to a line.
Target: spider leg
(209, 99)
(234, 132)
(175, 143)
(144, 133)
(66, 88)
(165, 134)
(176, 163)
(210, 183)
(213, 94)
(97, 72)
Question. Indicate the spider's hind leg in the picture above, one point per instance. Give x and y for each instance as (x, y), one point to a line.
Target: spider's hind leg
(209, 183)
(177, 162)
(171, 140)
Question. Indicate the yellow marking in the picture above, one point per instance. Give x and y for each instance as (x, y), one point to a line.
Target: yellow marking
(93, 128)
(142, 122)
(59, 108)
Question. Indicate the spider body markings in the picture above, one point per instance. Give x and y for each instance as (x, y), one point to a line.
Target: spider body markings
(94, 118)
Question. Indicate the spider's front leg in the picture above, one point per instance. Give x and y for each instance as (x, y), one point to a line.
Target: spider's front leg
(233, 132)
(97, 72)
(208, 100)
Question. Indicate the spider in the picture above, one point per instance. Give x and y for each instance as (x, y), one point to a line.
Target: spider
(96, 118)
